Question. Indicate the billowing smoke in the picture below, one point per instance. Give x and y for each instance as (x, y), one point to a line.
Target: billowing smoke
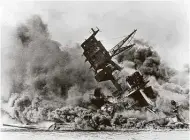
(43, 77)
(168, 83)
(147, 61)
(36, 67)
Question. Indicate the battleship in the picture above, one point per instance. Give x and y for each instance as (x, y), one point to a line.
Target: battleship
(103, 66)
(103, 112)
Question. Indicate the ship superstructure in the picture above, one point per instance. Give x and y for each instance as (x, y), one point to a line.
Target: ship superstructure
(101, 60)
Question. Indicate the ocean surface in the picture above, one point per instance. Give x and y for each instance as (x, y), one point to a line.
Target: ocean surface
(136, 135)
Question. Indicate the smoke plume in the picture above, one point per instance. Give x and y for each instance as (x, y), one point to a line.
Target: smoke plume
(38, 68)
(43, 76)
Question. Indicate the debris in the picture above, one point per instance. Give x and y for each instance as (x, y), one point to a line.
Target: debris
(105, 112)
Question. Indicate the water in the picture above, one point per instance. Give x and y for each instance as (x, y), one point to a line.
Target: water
(141, 135)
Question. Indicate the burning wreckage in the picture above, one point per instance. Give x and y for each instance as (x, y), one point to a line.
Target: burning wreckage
(105, 112)
(101, 61)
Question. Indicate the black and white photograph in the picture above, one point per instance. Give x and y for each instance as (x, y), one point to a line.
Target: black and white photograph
(95, 70)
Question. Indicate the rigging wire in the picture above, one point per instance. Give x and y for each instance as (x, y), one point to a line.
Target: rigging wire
(117, 37)
(114, 38)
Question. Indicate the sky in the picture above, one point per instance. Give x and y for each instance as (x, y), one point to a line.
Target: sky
(164, 25)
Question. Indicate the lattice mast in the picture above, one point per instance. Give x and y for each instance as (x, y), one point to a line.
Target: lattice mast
(101, 60)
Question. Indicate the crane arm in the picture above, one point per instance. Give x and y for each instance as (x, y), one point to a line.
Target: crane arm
(120, 44)
(122, 49)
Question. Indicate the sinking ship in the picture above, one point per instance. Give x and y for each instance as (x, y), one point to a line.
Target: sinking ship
(101, 62)
(103, 66)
